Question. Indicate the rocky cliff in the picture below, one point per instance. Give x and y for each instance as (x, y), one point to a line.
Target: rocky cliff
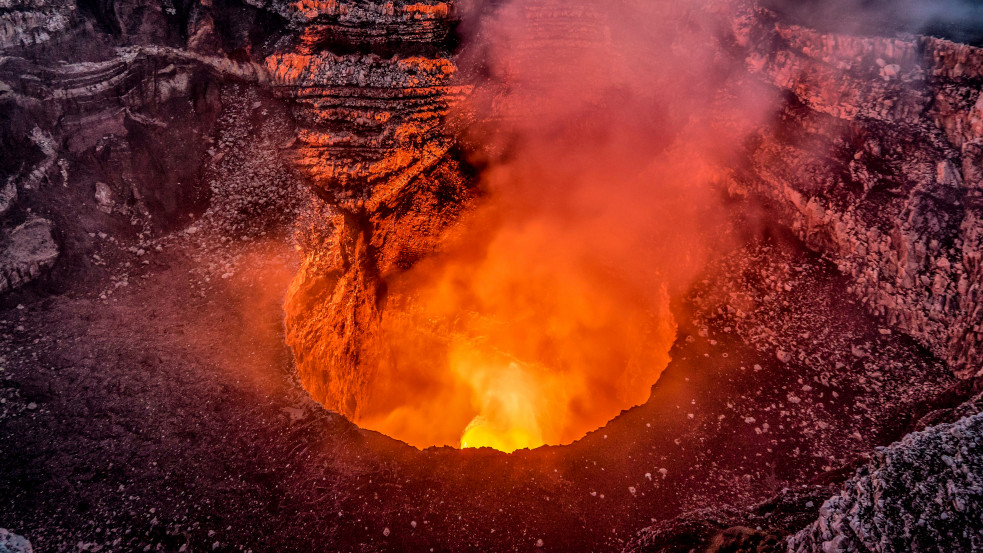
(109, 112)
(875, 160)
(370, 87)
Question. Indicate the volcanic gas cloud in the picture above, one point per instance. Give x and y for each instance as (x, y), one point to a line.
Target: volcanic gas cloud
(545, 310)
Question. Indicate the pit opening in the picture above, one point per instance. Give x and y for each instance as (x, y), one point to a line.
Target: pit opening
(586, 196)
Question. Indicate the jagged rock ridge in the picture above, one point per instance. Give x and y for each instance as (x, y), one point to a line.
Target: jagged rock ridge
(923, 493)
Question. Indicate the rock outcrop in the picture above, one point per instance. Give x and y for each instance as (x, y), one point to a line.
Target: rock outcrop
(26, 251)
(12, 543)
(924, 493)
(371, 86)
(26, 24)
(732, 531)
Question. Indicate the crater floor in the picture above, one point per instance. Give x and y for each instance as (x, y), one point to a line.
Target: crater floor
(167, 415)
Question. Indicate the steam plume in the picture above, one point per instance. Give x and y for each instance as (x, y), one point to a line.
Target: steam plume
(604, 131)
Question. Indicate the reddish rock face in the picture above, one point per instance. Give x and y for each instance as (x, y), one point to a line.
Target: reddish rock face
(372, 143)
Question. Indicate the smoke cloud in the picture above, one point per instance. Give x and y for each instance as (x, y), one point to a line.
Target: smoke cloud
(604, 131)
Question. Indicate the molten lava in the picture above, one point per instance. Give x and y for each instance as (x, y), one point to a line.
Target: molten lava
(530, 305)
(508, 418)
(526, 334)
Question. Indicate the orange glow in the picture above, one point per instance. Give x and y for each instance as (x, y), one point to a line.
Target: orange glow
(529, 330)
(543, 312)
(508, 399)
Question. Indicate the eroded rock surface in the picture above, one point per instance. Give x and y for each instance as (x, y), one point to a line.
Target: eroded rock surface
(924, 493)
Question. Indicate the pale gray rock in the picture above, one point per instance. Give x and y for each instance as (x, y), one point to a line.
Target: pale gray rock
(12, 543)
(921, 494)
(26, 251)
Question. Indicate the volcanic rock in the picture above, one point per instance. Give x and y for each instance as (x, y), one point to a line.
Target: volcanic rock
(26, 251)
(12, 543)
(923, 493)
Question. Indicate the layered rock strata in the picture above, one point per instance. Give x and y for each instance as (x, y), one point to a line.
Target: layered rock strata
(107, 117)
(367, 125)
(371, 86)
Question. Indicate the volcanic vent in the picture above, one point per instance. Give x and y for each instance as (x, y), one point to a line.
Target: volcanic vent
(506, 224)
(518, 206)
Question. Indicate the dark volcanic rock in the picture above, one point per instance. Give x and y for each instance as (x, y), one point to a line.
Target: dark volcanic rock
(761, 529)
(916, 495)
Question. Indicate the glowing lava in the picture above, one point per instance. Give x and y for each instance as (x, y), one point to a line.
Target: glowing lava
(508, 419)
(531, 306)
